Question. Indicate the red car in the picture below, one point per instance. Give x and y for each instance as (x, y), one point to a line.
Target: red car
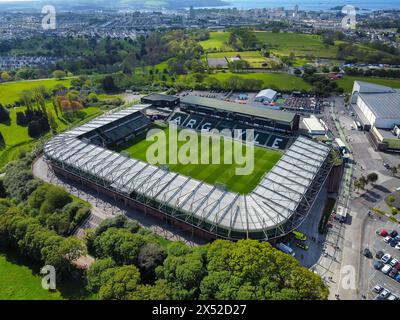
(384, 233)
(397, 266)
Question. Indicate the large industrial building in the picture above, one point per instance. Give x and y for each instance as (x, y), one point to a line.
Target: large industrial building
(277, 206)
(376, 106)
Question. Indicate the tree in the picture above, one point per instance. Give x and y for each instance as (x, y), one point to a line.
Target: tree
(72, 249)
(395, 211)
(119, 244)
(4, 115)
(94, 273)
(26, 98)
(3, 193)
(108, 84)
(363, 182)
(119, 283)
(372, 177)
(151, 256)
(55, 198)
(52, 123)
(238, 65)
(2, 141)
(59, 74)
(250, 269)
(5, 76)
(21, 119)
(357, 185)
(394, 170)
(93, 97)
(161, 290)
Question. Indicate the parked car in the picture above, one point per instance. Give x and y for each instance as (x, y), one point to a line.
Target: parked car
(386, 258)
(377, 288)
(302, 246)
(397, 266)
(392, 297)
(379, 254)
(386, 269)
(378, 265)
(397, 278)
(394, 234)
(397, 246)
(383, 233)
(384, 294)
(393, 243)
(393, 273)
(394, 262)
(387, 239)
(397, 238)
(367, 253)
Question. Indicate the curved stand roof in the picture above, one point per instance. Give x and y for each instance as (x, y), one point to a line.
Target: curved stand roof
(269, 206)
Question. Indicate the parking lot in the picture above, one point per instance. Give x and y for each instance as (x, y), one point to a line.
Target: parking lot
(376, 276)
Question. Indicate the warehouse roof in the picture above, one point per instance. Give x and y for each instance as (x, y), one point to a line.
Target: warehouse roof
(367, 87)
(383, 105)
(251, 110)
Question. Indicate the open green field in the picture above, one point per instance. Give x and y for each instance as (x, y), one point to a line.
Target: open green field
(283, 81)
(224, 174)
(254, 58)
(19, 280)
(217, 42)
(301, 45)
(17, 138)
(10, 91)
(348, 81)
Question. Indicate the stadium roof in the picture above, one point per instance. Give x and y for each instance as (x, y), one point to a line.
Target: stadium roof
(159, 96)
(251, 110)
(271, 204)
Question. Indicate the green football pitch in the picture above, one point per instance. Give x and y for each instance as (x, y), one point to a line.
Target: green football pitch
(222, 174)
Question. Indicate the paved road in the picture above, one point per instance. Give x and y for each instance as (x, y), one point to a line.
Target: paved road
(104, 207)
(357, 230)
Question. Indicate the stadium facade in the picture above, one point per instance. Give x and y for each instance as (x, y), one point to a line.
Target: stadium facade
(277, 206)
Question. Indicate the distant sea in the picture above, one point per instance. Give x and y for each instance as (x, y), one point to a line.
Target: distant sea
(315, 5)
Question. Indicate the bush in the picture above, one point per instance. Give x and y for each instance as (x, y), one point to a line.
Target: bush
(391, 199)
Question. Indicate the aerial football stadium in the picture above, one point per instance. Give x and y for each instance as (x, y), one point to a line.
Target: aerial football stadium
(279, 202)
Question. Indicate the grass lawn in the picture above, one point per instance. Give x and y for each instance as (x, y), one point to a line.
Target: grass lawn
(348, 81)
(224, 174)
(10, 91)
(282, 81)
(19, 280)
(216, 42)
(17, 138)
(300, 44)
